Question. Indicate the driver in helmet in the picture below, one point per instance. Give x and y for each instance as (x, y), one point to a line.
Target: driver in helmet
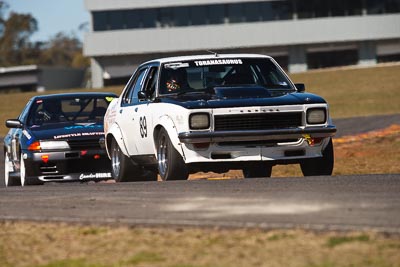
(177, 79)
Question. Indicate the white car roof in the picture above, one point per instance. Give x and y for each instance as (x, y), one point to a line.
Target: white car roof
(202, 57)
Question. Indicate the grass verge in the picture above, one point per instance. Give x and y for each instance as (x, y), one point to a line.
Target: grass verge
(55, 245)
(356, 92)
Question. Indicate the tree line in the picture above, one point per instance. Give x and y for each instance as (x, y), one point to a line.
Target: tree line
(17, 49)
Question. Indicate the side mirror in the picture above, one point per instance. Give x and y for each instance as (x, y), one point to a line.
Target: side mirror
(142, 95)
(14, 123)
(301, 87)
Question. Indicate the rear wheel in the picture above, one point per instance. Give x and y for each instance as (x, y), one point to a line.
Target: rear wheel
(257, 170)
(170, 163)
(320, 166)
(123, 169)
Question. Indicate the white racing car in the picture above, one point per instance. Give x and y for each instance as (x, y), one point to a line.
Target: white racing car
(182, 115)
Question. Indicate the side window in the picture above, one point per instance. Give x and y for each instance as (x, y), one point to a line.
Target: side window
(134, 87)
(151, 82)
(24, 114)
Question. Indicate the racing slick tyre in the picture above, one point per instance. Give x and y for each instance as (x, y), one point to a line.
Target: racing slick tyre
(319, 166)
(123, 170)
(9, 181)
(170, 163)
(257, 171)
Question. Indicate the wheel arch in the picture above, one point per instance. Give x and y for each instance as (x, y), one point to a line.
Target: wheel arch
(167, 123)
(115, 133)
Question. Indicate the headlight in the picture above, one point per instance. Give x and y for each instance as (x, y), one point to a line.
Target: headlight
(48, 145)
(316, 115)
(198, 121)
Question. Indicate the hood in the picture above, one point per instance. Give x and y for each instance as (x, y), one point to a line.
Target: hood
(67, 131)
(223, 97)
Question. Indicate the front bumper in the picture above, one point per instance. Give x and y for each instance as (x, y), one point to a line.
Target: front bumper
(256, 135)
(68, 165)
(278, 146)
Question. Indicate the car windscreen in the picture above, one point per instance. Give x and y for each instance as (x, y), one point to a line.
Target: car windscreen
(200, 75)
(82, 109)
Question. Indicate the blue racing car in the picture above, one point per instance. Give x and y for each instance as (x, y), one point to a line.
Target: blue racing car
(58, 137)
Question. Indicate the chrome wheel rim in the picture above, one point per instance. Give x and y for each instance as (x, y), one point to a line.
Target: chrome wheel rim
(115, 160)
(162, 157)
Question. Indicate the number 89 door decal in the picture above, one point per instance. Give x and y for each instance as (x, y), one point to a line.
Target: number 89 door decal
(143, 127)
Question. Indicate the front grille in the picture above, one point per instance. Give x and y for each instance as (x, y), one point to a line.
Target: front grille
(263, 121)
(84, 144)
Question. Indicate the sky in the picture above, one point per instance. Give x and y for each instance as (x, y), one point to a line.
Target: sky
(53, 16)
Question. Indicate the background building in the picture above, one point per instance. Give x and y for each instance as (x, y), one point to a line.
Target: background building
(39, 78)
(299, 34)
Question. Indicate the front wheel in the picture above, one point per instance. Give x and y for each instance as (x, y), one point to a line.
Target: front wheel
(22, 171)
(9, 181)
(319, 166)
(170, 163)
(22, 174)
